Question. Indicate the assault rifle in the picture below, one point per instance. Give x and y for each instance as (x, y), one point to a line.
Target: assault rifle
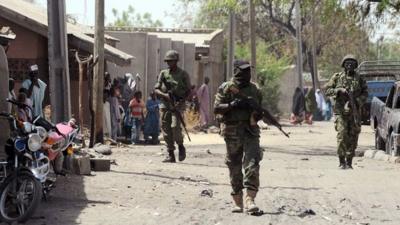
(353, 107)
(174, 103)
(266, 115)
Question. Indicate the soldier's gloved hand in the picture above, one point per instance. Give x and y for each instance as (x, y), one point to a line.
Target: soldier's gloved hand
(341, 91)
(239, 104)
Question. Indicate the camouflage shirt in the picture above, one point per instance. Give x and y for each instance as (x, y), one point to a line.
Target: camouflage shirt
(354, 84)
(225, 95)
(178, 83)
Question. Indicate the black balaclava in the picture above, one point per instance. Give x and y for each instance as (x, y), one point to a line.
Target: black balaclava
(350, 66)
(242, 73)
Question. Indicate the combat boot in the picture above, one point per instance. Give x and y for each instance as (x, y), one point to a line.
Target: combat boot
(349, 162)
(170, 158)
(182, 152)
(251, 206)
(238, 200)
(342, 162)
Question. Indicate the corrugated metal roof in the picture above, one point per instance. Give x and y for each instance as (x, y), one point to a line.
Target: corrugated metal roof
(34, 18)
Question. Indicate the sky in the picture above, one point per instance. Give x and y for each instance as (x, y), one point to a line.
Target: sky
(83, 10)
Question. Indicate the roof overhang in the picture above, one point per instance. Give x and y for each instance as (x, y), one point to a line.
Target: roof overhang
(34, 19)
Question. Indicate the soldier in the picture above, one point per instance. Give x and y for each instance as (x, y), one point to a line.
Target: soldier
(349, 92)
(241, 134)
(173, 86)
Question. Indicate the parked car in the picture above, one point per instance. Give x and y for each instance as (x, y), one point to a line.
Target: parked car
(380, 77)
(385, 120)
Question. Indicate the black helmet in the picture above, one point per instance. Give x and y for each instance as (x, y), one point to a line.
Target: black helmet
(349, 57)
(171, 55)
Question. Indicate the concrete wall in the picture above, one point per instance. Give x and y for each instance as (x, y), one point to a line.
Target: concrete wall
(190, 51)
(26, 40)
(153, 63)
(180, 48)
(134, 44)
(165, 45)
(288, 84)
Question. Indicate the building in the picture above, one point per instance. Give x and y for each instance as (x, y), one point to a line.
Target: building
(29, 23)
(200, 50)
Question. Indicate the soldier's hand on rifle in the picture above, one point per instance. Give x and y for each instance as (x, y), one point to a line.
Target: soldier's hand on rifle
(166, 97)
(341, 91)
(239, 104)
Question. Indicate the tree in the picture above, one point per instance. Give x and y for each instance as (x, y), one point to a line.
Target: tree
(336, 21)
(129, 18)
(269, 70)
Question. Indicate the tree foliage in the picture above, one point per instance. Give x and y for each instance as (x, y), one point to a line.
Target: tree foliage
(129, 18)
(340, 29)
(269, 70)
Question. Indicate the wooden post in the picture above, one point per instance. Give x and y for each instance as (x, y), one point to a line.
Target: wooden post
(231, 45)
(314, 51)
(60, 98)
(299, 45)
(82, 63)
(98, 78)
(252, 33)
(4, 106)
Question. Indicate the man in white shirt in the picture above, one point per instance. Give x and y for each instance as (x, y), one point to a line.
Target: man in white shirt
(36, 90)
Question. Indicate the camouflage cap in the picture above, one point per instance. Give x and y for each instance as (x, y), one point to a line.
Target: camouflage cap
(171, 55)
(349, 57)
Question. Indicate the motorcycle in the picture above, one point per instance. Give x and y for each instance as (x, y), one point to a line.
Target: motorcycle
(25, 168)
(32, 149)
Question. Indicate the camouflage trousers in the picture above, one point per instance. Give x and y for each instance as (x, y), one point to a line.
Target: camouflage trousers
(242, 158)
(171, 129)
(347, 135)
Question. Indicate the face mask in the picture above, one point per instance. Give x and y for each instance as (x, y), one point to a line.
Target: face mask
(350, 67)
(242, 77)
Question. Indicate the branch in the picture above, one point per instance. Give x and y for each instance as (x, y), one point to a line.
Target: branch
(287, 27)
(291, 9)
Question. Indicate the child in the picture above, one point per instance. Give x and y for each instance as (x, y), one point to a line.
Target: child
(152, 121)
(23, 110)
(136, 105)
(114, 112)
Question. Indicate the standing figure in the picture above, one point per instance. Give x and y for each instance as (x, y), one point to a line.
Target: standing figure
(173, 88)
(349, 92)
(311, 105)
(152, 121)
(23, 112)
(203, 96)
(106, 114)
(115, 114)
(36, 90)
(11, 95)
(136, 107)
(241, 133)
(298, 107)
(319, 98)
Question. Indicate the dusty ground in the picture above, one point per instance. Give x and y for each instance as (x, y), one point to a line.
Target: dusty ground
(297, 174)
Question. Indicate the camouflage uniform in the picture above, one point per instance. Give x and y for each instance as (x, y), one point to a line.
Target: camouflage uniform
(180, 84)
(242, 139)
(346, 126)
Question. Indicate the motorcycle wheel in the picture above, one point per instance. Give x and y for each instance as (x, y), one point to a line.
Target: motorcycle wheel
(20, 197)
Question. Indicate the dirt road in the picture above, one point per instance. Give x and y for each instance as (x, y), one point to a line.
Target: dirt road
(299, 177)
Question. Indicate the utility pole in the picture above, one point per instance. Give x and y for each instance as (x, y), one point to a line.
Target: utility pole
(231, 45)
(252, 33)
(98, 78)
(316, 83)
(60, 97)
(299, 45)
